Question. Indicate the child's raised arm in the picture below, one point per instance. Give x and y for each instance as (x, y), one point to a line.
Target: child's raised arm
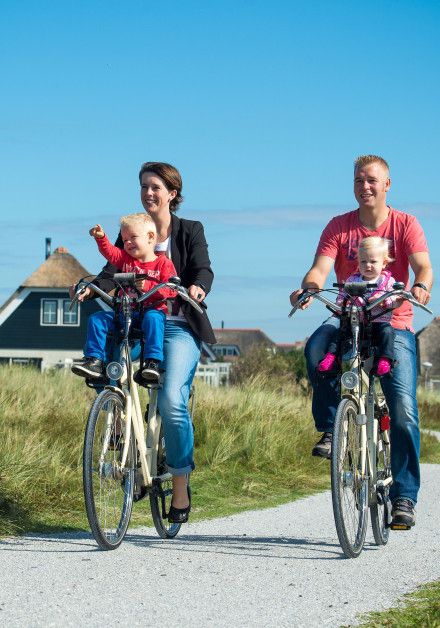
(97, 232)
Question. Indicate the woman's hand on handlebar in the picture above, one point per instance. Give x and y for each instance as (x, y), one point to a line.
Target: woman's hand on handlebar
(82, 296)
(196, 293)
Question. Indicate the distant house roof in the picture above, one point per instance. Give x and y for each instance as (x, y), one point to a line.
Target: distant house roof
(59, 270)
(243, 338)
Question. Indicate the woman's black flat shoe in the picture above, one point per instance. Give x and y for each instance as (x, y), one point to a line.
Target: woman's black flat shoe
(180, 515)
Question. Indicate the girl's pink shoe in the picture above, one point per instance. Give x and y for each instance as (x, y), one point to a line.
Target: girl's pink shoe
(327, 363)
(383, 366)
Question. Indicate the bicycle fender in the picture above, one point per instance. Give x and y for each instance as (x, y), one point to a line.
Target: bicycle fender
(116, 390)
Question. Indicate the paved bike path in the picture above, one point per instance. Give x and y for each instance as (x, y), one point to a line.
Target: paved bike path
(277, 567)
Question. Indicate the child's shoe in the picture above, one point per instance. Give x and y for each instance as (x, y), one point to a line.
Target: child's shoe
(327, 363)
(87, 367)
(150, 372)
(383, 367)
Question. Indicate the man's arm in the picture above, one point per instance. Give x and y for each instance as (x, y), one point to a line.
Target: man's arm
(315, 278)
(421, 266)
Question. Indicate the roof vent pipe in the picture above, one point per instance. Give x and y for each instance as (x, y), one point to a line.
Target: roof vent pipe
(48, 245)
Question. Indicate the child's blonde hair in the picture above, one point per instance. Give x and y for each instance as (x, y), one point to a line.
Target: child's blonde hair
(141, 218)
(378, 244)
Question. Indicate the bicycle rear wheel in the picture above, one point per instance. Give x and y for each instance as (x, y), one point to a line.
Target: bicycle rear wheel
(380, 511)
(349, 489)
(108, 489)
(161, 495)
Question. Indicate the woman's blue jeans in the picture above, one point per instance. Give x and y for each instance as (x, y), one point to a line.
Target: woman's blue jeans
(181, 356)
(400, 393)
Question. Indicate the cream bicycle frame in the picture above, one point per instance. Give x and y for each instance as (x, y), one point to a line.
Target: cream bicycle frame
(368, 423)
(147, 443)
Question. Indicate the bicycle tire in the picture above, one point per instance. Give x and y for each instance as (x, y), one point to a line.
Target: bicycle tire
(108, 490)
(161, 495)
(349, 491)
(378, 510)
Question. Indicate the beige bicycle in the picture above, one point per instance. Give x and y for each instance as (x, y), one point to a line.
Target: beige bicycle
(124, 455)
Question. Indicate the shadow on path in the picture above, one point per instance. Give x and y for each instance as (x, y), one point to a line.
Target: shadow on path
(275, 547)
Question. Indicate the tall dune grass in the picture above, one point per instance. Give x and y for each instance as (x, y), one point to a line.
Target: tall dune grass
(253, 445)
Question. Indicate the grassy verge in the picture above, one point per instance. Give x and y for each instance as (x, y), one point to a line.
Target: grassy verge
(253, 445)
(417, 610)
(252, 450)
(429, 406)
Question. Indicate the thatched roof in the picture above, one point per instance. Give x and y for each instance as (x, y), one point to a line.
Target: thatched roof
(59, 270)
(243, 338)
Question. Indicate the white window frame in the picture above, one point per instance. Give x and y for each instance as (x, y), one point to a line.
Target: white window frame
(60, 313)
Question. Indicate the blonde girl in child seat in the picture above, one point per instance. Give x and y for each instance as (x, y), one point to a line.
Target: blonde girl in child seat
(373, 258)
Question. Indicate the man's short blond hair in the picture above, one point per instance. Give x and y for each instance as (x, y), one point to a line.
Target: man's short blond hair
(378, 244)
(365, 160)
(141, 218)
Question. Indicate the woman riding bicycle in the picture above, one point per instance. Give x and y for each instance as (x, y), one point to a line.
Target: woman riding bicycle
(183, 241)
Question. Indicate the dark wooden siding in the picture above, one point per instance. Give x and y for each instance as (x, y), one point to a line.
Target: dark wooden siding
(22, 330)
(428, 341)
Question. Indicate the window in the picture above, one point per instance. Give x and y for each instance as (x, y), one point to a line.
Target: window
(56, 312)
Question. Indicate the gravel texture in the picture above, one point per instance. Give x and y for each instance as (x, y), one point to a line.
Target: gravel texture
(276, 567)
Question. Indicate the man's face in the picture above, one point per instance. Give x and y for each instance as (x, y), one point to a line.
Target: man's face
(371, 184)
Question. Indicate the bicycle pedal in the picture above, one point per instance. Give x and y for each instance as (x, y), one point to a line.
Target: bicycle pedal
(139, 493)
(399, 526)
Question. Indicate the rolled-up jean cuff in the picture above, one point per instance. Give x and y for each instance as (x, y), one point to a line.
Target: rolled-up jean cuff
(180, 472)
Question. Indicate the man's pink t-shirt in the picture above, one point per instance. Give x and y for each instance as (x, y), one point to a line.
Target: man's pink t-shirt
(340, 241)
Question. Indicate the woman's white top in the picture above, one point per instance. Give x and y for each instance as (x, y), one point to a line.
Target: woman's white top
(165, 247)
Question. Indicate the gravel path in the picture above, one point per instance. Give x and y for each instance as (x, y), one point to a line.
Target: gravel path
(276, 567)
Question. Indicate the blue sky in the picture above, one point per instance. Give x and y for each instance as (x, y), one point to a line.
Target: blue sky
(262, 106)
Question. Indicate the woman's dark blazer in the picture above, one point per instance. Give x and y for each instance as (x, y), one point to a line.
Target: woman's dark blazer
(189, 254)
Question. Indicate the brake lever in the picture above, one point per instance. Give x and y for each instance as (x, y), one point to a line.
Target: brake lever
(185, 296)
(76, 296)
(300, 302)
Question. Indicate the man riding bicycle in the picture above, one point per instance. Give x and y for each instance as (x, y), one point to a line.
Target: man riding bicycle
(338, 245)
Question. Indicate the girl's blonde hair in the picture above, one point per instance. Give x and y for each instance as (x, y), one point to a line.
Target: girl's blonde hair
(141, 218)
(378, 244)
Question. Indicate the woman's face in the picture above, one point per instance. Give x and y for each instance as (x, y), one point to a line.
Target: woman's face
(155, 196)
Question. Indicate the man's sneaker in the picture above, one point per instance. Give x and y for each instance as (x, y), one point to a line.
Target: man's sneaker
(403, 514)
(88, 367)
(323, 447)
(150, 372)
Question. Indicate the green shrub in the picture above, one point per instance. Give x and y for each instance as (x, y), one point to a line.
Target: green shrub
(278, 369)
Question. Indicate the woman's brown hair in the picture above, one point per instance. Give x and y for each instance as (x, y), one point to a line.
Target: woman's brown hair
(169, 175)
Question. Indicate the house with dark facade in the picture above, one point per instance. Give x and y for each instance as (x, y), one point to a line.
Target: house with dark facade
(233, 343)
(37, 325)
(428, 351)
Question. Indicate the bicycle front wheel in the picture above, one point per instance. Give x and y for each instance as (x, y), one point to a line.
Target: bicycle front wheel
(108, 488)
(380, 510)
(161, 495)
(349, 487)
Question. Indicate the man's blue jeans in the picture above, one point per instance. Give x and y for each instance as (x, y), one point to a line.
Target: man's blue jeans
(400, 393)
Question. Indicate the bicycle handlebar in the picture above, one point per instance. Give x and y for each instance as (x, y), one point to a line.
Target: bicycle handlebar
(337, 309)
(129, 279)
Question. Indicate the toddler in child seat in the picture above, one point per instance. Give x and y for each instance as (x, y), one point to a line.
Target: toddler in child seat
(373, 257)
(139, 236)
